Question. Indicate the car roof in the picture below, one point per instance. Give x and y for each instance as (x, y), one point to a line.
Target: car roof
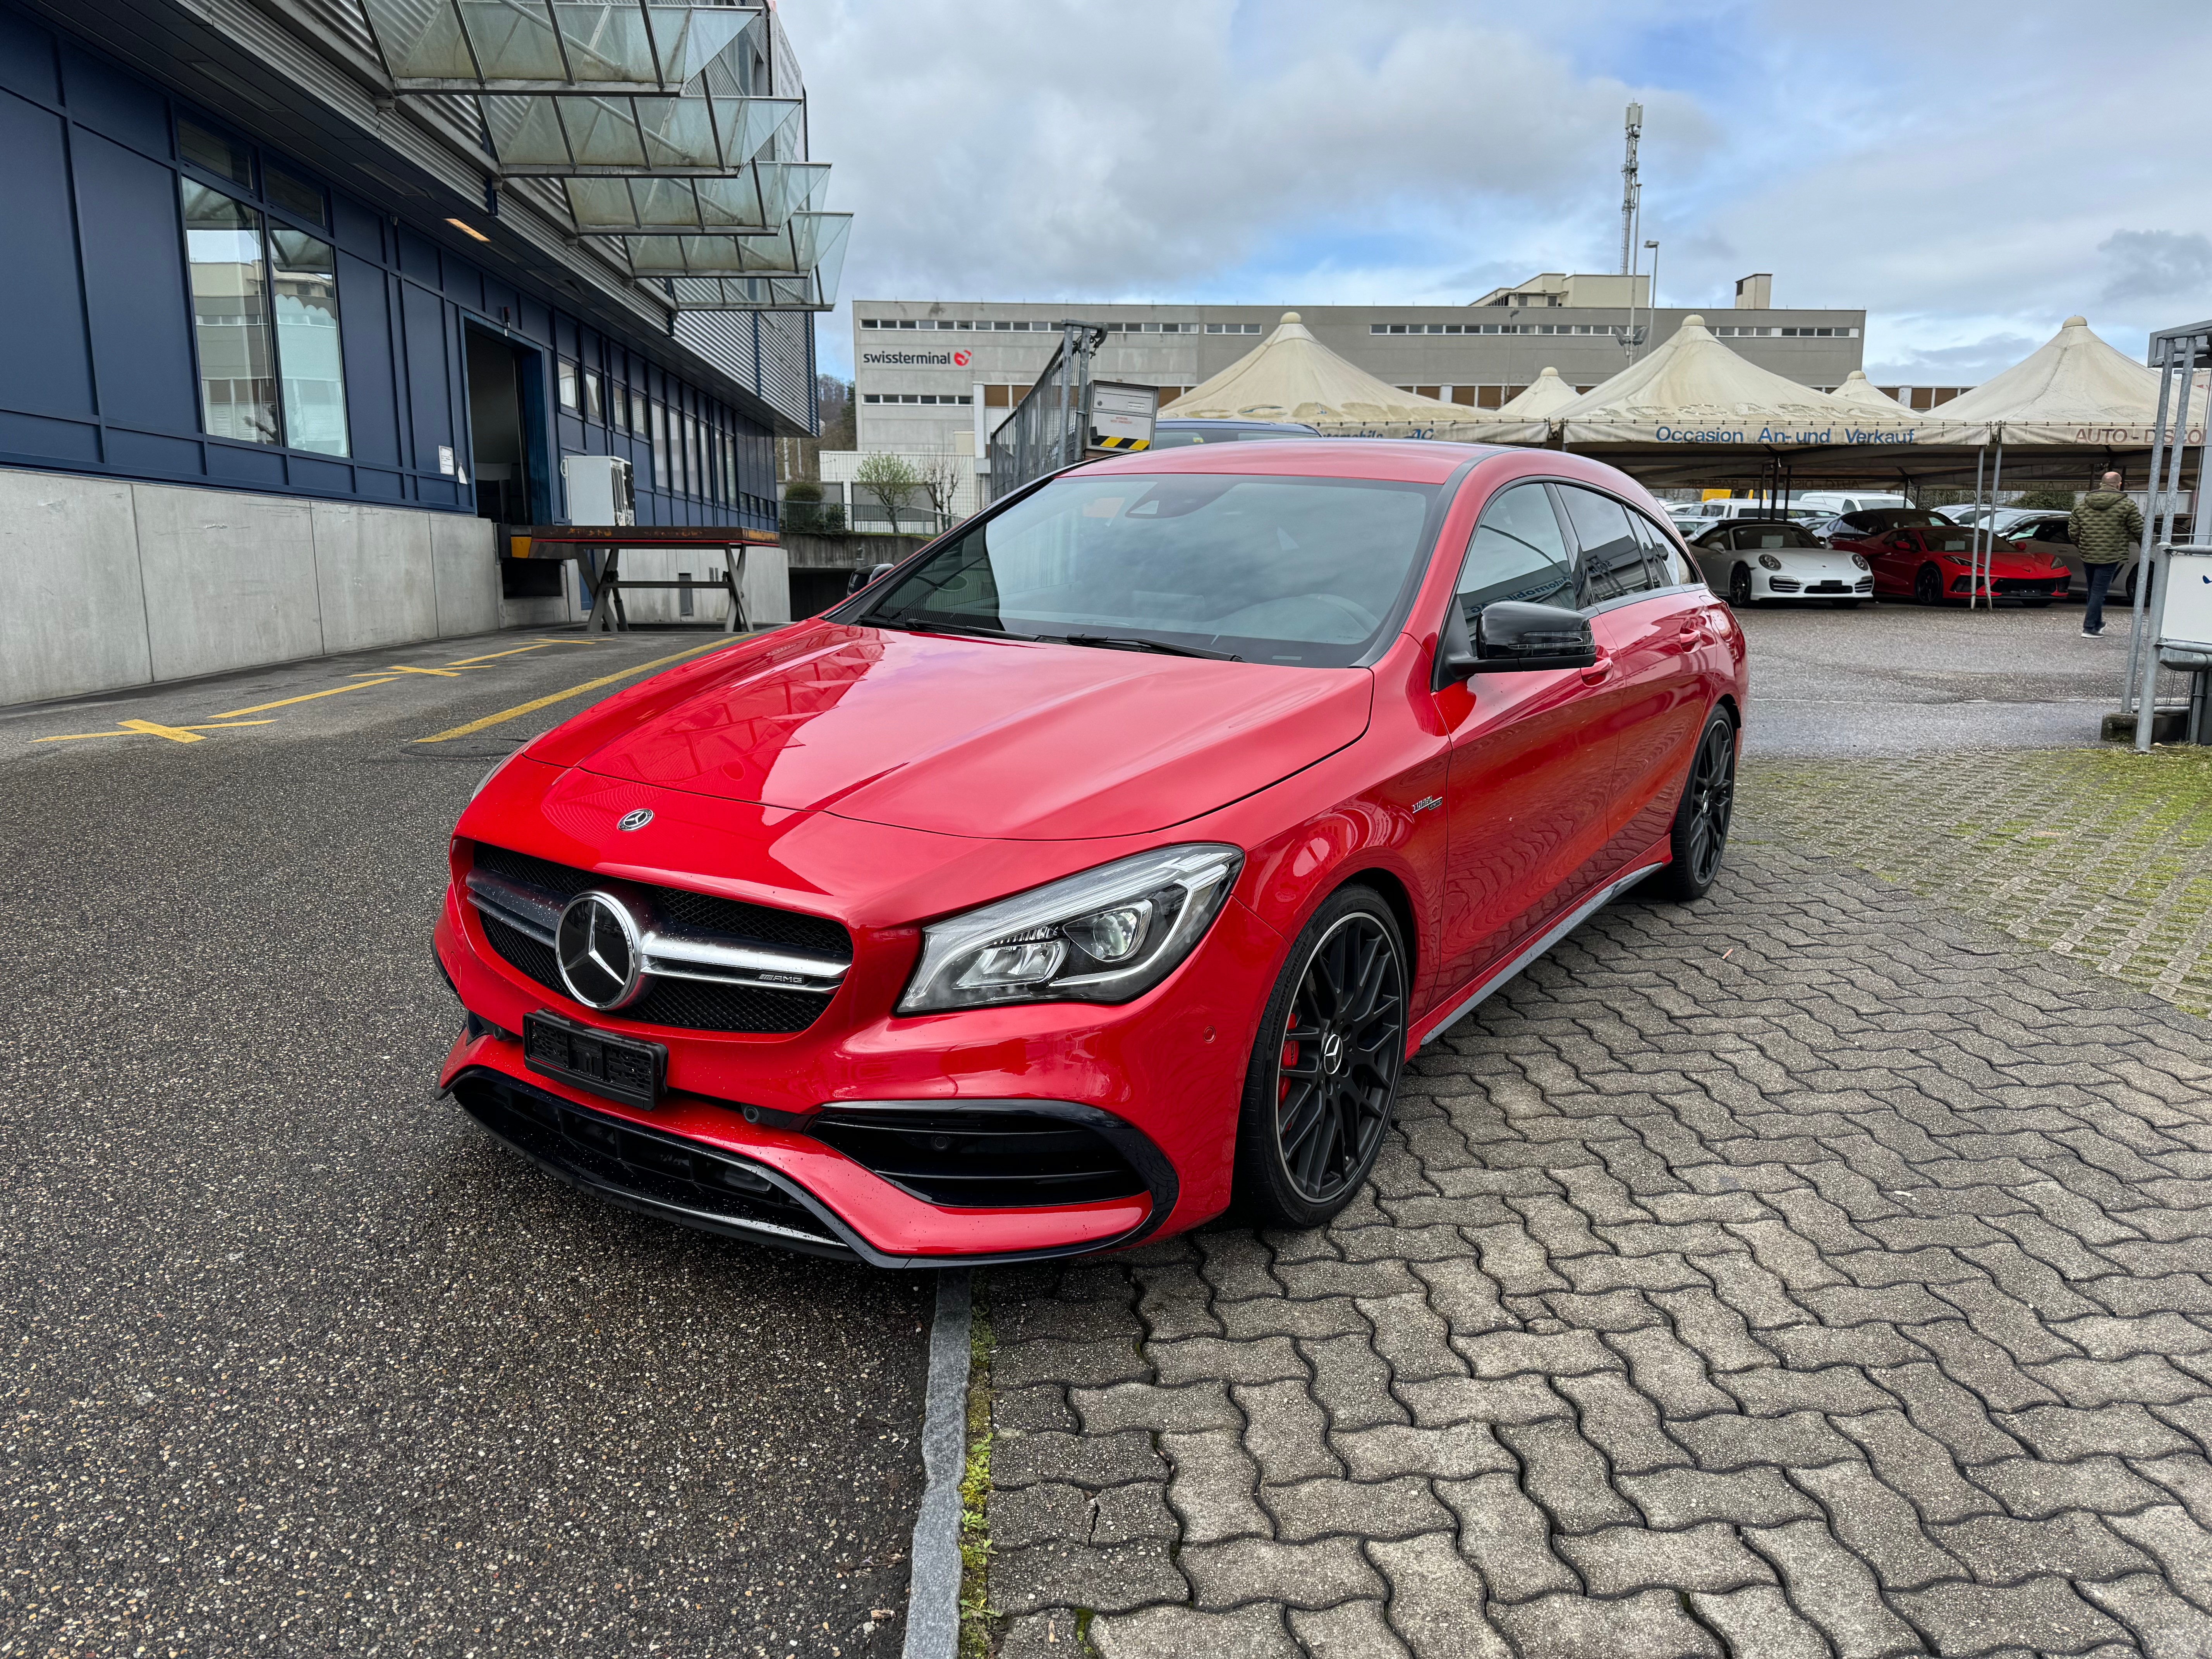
(1404, 460)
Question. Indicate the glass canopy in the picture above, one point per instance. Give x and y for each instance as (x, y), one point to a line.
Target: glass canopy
(555, 45)
(540, 135)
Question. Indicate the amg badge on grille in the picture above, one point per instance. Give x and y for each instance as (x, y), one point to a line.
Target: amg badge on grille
(635, 820)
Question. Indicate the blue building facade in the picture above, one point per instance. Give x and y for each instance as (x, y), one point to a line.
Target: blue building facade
(243, 257)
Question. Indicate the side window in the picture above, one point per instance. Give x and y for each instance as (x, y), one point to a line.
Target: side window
(1518, 552)
(1669, 568)
(1612, 564)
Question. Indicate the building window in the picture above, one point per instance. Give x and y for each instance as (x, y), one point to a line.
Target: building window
(592, 408)
(230, 317)
(695, 474)
(294, 195)
(640, 419)
(660, 477)
(567, 376)
(868, 322)
(224, 157)
(312, 365)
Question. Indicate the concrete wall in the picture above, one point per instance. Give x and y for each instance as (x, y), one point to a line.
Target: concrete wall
(106, 583)
(766, 585)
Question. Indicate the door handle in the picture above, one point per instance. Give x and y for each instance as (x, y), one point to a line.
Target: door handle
(1596, 672)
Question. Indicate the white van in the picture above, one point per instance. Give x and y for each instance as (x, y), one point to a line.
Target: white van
(1693, 516)
(1827, 502)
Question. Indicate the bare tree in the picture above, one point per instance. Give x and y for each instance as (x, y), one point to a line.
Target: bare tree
(938, 478)
(889, 478)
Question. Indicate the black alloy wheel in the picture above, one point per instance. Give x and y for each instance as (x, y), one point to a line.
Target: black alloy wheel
(1701, 822)
(1927, 585)
(1740, 585)
(1324, 1074)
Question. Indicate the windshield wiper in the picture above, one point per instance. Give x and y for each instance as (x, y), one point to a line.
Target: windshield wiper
(1119, 642)
(929, 625)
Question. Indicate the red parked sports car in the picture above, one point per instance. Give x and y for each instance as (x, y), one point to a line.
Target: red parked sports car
(1103, 862)
(1921, 553)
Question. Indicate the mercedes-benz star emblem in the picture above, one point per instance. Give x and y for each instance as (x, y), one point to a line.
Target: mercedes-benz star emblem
(636, 820)
(597, 947)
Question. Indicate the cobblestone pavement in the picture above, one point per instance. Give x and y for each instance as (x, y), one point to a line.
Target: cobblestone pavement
(1806, 1271)
(2104, 855)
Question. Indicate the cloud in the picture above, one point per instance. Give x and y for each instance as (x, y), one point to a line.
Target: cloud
(1966, 364)
(2158, 264)
(1964, 192)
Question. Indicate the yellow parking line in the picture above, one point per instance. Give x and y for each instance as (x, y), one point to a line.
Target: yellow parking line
(464, 662)
(404, 668)
(173, 733)
(146, 728)
(532, 707)
(286, 702)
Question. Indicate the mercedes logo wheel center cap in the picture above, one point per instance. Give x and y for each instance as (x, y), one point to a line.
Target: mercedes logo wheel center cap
(598, 946)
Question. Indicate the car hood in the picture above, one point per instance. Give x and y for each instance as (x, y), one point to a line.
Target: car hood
(973, 737)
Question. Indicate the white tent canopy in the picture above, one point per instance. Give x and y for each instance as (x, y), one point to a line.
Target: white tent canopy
(1539, 400)
(1291, 376)
(1858, 389)
(1693, 391)
(2073, 389)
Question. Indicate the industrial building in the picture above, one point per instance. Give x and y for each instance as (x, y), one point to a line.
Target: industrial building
(309, 300)
(918, 364)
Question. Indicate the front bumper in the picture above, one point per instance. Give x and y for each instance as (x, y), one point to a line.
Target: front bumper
(1157, 1080)
(2011, 587)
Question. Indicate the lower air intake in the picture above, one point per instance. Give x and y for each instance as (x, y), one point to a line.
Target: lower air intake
(983, 1158)
(658, 1174)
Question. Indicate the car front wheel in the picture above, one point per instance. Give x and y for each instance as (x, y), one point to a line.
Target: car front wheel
(1927, 585)
(1740, 585)
(1324, 1078)
(1701, 822)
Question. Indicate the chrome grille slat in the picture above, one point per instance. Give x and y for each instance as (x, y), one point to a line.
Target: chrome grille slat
(784, 986)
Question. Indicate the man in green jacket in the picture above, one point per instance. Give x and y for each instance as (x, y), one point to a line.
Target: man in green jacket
(2106, 529)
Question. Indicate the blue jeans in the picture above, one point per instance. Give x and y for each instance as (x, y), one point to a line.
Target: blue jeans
(2100, 579)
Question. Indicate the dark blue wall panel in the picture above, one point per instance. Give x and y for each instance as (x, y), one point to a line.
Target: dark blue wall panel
(46, 366)
(100, 95)
(365, 336)
(27, 59)
(34, 439)
(134, 279)
(431, 395)
(152, 454)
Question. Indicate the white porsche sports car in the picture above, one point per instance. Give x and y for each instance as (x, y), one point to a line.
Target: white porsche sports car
(1752, 561)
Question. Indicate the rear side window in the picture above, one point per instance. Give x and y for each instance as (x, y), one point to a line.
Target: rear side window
(1670, 565)
(1518, 552)
(1612, 557)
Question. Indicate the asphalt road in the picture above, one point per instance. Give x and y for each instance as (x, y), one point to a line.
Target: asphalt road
(1902, 679)
(296, 1359)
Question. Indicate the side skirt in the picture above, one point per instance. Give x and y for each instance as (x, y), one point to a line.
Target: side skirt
(1501, 975)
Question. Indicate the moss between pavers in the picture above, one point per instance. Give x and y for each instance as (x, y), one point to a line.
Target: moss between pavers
(976, 1632)
(2104, 855)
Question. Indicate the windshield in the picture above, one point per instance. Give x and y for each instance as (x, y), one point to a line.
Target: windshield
(1775, 535)
(1894, 518)
(1950, 541)
(1308, 571)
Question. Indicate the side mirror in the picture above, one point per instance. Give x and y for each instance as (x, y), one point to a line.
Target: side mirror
(1511, 637)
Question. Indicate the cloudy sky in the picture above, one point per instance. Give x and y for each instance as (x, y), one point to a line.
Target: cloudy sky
(1970, 173)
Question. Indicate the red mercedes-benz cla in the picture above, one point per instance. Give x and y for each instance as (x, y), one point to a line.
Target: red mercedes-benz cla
(1102, 864)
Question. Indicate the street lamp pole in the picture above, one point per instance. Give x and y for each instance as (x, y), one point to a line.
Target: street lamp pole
(1651, 299)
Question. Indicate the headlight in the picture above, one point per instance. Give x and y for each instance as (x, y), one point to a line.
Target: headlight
(1860, 559)
(1952, 558)
(1107, 935)
(1770, 561)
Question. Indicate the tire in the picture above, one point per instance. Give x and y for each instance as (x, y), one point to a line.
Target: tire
(1740, 587)
(1307, 1134)
(1699, 836)
(1845, 604)
(1927, 585)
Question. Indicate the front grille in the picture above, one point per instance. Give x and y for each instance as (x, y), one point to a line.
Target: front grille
(1781, 584)
(646, 1169)
(1829, 587)
(2028, 585)
(683, 1005)
(700, 910)
(995, 1158)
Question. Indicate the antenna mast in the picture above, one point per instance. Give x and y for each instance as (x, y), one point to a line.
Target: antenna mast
(1631, 192)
